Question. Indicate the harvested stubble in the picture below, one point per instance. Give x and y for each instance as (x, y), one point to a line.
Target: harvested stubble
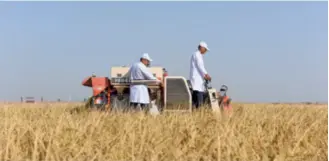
(254, 132)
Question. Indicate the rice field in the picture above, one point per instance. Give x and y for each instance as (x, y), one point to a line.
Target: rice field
(255, 132)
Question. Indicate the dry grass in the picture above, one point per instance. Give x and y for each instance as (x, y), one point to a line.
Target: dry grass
(254, 132)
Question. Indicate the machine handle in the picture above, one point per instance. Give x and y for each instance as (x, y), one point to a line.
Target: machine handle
(208, 84)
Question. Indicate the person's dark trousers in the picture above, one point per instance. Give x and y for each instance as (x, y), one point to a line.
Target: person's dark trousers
(134, 105)
(197, 99)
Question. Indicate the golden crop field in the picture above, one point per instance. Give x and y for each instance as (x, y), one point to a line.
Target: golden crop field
(254, 132)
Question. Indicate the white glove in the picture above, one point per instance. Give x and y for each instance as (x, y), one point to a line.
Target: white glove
(158, 81)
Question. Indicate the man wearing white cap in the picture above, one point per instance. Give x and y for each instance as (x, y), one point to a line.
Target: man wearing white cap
(139, 94)
(198, 74)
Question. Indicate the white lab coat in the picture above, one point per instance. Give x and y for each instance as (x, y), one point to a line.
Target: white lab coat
(197, 72)
(139, 93)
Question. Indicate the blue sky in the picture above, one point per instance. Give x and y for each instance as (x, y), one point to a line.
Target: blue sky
(264, 51)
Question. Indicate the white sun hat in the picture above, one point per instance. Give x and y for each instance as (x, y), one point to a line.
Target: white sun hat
(204, 44)
(146, 56)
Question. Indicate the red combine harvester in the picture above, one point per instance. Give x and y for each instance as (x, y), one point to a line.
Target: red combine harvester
(101, 91)
(113, 93)
(173, 94)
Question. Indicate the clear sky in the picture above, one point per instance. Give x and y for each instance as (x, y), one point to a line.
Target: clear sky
(264, 51)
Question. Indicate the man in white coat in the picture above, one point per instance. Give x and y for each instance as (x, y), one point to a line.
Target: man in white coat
(198, 74)
(139, 94)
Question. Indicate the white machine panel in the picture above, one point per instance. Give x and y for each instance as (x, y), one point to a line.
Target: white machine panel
(213, 99)
(177, 95)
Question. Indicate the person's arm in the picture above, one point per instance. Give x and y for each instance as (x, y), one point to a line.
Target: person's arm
(147, 73)
(200, 65)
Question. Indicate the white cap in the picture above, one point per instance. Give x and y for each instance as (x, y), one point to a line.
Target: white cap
(203, 44)
(146, 56)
